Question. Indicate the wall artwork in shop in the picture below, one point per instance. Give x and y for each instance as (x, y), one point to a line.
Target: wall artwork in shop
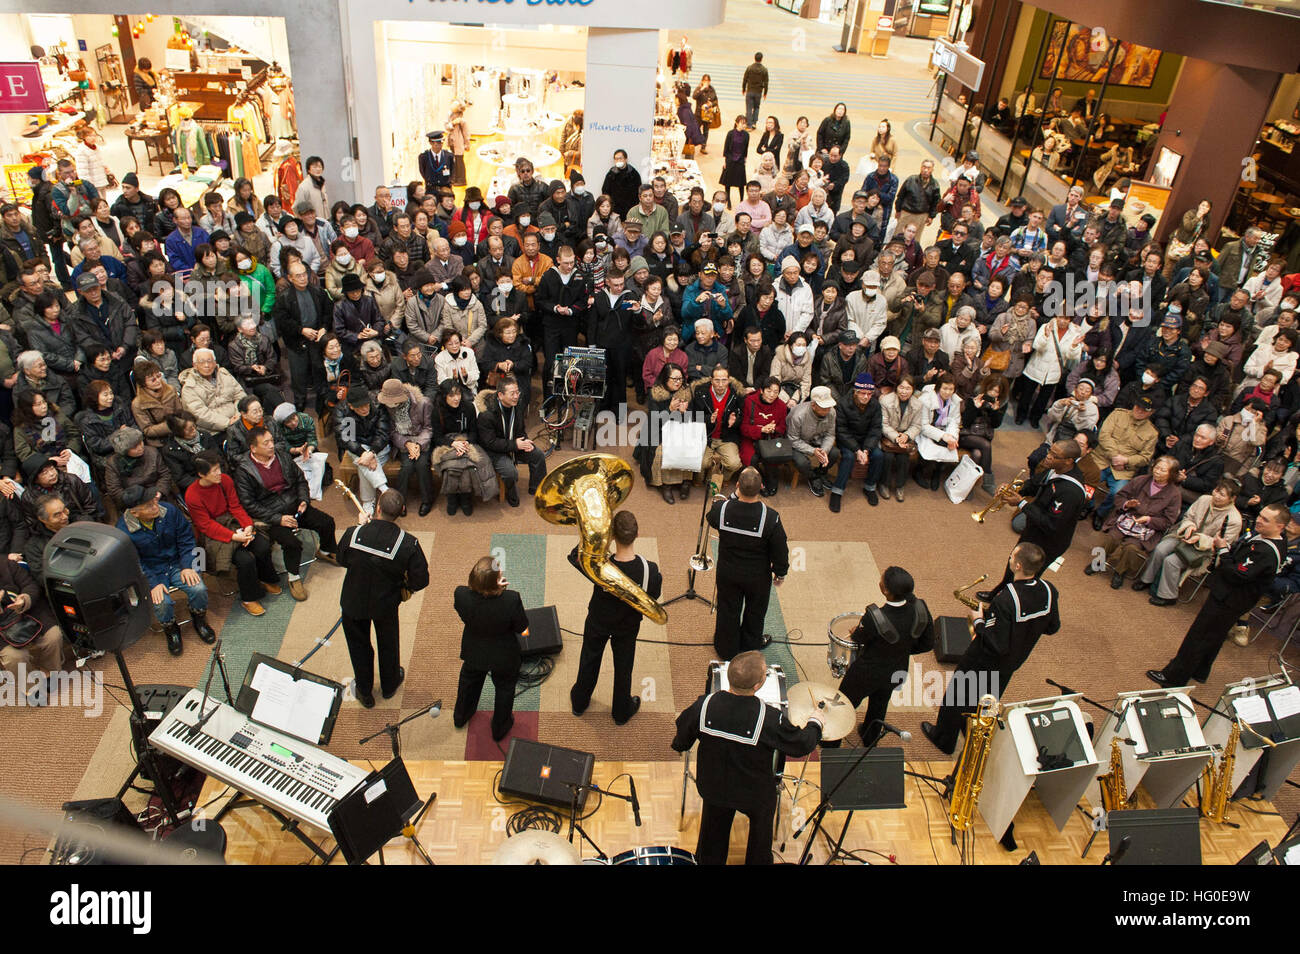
(1085, 60)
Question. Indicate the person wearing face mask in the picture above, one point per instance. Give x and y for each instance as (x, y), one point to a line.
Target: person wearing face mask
(387, 294)
(503, 300)
(258, 281)
(464, 314)
(360, 247)
(341, 264)
(473, 217)
(582, 203)
(622, 184)
(551, 237)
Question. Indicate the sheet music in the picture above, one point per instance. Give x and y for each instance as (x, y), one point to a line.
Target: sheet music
(296, 706)
(1285, 702)
(1292, 855)
(1252, 709)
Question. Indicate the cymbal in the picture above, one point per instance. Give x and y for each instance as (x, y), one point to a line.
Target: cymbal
(536, 847)
(836, 711)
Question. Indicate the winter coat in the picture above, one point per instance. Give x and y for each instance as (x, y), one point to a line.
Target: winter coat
(211, 400)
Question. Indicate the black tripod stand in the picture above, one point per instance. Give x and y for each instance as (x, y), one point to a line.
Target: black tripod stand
(146, 759)
(701, 559)
(575, 788)
(393, 731)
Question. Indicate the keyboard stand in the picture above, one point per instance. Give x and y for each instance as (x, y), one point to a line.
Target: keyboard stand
(291, 825)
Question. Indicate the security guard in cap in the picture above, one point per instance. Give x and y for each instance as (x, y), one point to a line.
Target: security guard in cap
(382, 560)
(436, 163)
(743, 742)
(752, 557)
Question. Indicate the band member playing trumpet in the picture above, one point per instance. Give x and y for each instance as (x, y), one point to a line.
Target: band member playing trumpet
(1005, 634)
(740, 737)
(612, 620)
(1051, 501)
(382, 560)
(753, 556)
(886, 636)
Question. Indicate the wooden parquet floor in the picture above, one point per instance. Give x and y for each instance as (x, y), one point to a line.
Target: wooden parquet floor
(466, 823)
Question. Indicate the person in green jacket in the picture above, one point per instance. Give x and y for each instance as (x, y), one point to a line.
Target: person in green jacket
(257, 278)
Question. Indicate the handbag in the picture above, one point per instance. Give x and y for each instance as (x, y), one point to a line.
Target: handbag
(688, 151)
(18, 629)
(996, 360)
(775, 450)
(963, 479)
(1127, 524)
(339, 389)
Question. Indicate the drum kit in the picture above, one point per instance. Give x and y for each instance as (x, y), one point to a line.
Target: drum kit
(539, 847)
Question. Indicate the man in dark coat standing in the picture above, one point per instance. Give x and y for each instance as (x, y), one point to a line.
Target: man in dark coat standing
(382, 560)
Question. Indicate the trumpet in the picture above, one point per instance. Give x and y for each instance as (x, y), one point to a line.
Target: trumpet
(972, 602)
(1000, 496)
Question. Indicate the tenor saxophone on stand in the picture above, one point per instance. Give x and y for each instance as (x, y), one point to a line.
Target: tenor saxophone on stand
(968, 782)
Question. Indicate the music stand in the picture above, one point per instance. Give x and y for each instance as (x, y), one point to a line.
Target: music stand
(410, 821)
(878, 784)
(1158, 836)
(376, 812)
(1269, 764)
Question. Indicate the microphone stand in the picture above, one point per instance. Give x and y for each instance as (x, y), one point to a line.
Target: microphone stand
(823, 807)
(216, 661)
(320, 643)
(705, 561)
(393, 731)
(575, 788)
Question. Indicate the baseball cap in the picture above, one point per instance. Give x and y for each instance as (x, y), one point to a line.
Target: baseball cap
(806, 227)
(822, 397)
(709, 269)
(849, 335)
(890, 342)
(1171, 321)
(1018, 200)
(931, 334)
(1144, 404)
(86, 281)
(871, 278)
(860, 194)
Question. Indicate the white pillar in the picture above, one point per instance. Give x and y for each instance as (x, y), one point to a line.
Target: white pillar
(620, 104)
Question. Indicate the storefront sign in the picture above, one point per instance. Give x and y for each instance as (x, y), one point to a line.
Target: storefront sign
(1145, 198)
(957, 63)
(21, 89)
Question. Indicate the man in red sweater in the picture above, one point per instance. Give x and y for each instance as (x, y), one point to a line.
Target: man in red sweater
(228, 533)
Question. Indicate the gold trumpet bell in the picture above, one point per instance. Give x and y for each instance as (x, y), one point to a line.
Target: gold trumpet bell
(586, 491)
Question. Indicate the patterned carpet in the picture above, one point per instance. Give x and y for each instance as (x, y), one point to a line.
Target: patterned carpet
(1107, 640)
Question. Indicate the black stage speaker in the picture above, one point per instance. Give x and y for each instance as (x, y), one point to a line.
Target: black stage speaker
(875, 784)
(95, 815)
(952, 639)
(544, 773)
(543, 636)
(1160, 836)
(96, 587)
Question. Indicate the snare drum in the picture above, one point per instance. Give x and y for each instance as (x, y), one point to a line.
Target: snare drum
(842, 649)
(773, 690)
(655, 855)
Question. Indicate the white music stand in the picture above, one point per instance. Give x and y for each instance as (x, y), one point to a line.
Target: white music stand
(1166, 775)
(1283, 756)
(1013, 767)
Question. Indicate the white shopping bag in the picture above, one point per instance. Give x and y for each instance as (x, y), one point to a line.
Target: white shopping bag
(963, 479)
(683, 445)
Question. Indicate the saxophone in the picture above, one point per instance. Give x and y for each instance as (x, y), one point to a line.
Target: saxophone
(969, 779)
(1114, 790)
(970, 601)
(1217, 781)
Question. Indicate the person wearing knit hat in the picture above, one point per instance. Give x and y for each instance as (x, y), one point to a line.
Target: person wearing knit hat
(637, 264)
(857, 435)
(164, 543)
(124, 439)
(134, 463)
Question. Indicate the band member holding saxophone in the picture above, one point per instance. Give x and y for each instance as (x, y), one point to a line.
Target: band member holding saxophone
(382, 560)
(1051, 501)
(753, 556)
(740, 739)
(1005, 634)
(886, 636)
(614, 621)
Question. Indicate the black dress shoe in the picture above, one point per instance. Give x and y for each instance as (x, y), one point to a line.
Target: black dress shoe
(1159, 678)
(1140, 584)
(1089, 570)
(425, 507)
(1097, 521)
(401, 677)
(510, 725)
(930, 732)
(1116, 581)
(684, 489)
(512, 496)
(636, 707)
(936, 481)
(367, 702)
(667, 493)
(1155, 600)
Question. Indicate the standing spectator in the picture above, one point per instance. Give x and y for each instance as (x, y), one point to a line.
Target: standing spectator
(835, 130)
(754, 87)
(735, 150)
(918, 199)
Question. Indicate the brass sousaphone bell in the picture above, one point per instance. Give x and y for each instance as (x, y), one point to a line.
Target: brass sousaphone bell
(586, 491)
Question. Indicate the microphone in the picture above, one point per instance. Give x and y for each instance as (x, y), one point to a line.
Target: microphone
(636, 805)
(901, 733)
(435, 710)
